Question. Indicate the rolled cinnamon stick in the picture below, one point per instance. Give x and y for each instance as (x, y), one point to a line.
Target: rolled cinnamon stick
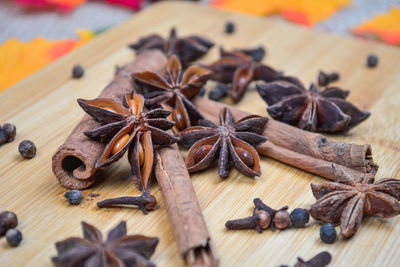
(308, 151)
(183, 209)
(74, 161)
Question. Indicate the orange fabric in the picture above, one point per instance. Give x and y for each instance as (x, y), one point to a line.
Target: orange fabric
(384, 27)
(18, 59)
(305, 12)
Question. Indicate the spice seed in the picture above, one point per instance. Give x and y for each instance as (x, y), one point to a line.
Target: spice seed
(27, 149)
(77, 71)
(372, 61)
(299, 218)
(8, 220)
(327, 233)
(14, 237)
(10, 130)
(229, 27)
(74, 197)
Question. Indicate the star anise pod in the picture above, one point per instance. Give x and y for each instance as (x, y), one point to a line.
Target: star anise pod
(118, 250)
(314, 109)
(175, 91)
(346, 200)
(230, 141)
(240, 69)
(128, 128)
(188, 49)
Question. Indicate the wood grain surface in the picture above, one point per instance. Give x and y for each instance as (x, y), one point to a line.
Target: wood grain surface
(44, 109)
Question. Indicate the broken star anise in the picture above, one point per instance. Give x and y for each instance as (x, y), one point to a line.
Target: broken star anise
(118, 250)
(346, 200)
(314, 109)
(240, 69)
(128, 128)
(230, 140)
(175, 91)
(187, 48)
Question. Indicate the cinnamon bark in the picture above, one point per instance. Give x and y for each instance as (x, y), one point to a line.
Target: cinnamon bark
(305, 150)
(74, 161)
(183, 209)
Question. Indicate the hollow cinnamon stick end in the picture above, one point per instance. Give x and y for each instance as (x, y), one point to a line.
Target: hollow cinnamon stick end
(72, 169)
(202, 256)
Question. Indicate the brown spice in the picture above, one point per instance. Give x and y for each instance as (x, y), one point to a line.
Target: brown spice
(263, 217)
(229, 140)
(8, 220)
(302, 149)
(314, 109)
(240, 69)
(188, 49)
(183, 209)
(119, 249)
(175, 91)
(320, 260)
(74, 161)
(346, 200)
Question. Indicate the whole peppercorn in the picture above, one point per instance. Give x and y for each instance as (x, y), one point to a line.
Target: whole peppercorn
(327, 233)
(3, 136)
(74, 197)
(220, 91)
(27, 149)
(372, 61)
(14, 237)
(202, 91)
(229, 27)
(77, 71)
(299, 218)
(281, 219)
(10, 130)
(8, 220)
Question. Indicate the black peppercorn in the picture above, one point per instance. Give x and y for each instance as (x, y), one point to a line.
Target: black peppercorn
(8, 220)
(74, 197)
(14, 237)
(3, 136)
(229, 27)
(218, 92)
(77, 71)
(10, 130)
(202, 91)
(372, 61)
(327, 233)
(299, 218)
(27, 149)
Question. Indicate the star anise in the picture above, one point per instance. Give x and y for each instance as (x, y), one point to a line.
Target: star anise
(187, 48)
(239, 69)
(229, 141)
(175, 91)
(314, 109)
(346, 200)
(118, 250)
(128, 127)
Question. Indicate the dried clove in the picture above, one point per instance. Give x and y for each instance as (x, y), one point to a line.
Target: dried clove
(263, 218)
(8, 220)
(27, 149)
(320, 260)
(324, 79)
(144, 202)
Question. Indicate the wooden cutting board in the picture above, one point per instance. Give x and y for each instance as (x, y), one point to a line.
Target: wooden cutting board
(44, 109)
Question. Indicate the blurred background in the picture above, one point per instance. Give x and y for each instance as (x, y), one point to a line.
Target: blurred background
(33, 33)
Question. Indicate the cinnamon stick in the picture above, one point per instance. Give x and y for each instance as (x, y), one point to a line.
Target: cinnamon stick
(183, 209)
(74, 161)
(308, 151)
